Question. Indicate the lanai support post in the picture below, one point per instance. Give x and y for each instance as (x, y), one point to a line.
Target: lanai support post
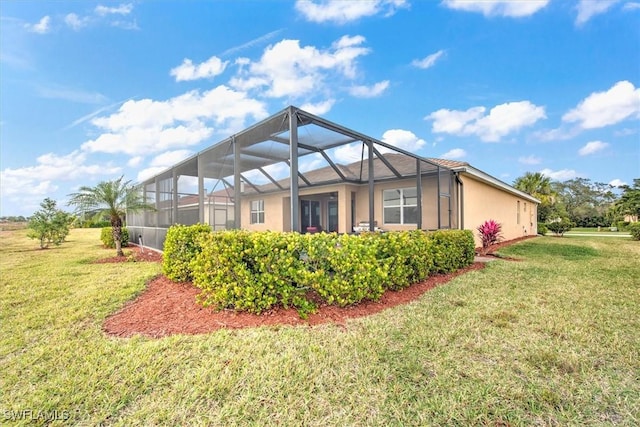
(438, 198)
(237, 184)
(372, 212)
(419, 192)
(200, 191)
(293, 161)
(174, 197)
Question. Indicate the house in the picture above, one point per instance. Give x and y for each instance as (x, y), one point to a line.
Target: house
(295, 171)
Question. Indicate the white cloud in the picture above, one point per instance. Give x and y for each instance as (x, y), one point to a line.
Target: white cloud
(632, 5)
(428, 61)
(341, 12)
(288, 70)
(369, 91)
(530, 160)
(123, 9)
(75, 22)
(318, 108)
(502, 120)
(508, 8)
(252, 43)
(42, 27)
(147, 173)
(617, 183)
(350, 153)
(600, 109)
(456, 153)
(170, 158)
(404, 139)
(592, 147)
(188, 71)
(561, 175)
(589, 8)
(38, 180)
(135, 161)
(147, 126)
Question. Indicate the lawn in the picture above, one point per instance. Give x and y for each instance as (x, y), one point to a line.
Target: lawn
(551, 339)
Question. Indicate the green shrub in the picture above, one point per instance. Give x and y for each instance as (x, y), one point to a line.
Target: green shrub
(560, 227)
(634, 229)
(255, 271)
(542, 228)
(106, 236)
(180, 248)
(622, 225)
(453, 249)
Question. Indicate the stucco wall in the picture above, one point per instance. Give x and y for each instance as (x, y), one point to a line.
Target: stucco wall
(483, 202)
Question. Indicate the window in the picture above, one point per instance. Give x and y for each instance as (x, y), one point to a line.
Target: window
(400, 206)
(257, 212)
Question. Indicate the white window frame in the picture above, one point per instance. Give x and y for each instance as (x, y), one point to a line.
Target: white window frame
(402, 205)
(257, 211)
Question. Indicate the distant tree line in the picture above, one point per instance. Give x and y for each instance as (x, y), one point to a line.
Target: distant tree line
(582, 202)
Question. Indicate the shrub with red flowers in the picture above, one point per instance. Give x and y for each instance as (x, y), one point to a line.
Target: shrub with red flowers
(491, 233)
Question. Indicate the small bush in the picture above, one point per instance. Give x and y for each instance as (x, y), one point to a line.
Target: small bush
(453, 249)
(542, 228)
(106, 236)
(560, 227)
(634, 229)
(490, 233)
(180, 248)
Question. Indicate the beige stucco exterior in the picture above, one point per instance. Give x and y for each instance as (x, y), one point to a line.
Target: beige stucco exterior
(482, 201)
(469, 203)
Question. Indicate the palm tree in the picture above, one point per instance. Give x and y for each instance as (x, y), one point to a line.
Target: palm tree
(113, 198)
(539, 186)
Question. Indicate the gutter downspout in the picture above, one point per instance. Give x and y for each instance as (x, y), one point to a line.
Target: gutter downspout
(460, 199)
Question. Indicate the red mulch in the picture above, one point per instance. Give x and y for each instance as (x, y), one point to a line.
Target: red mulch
(167, 308)
(133, 254)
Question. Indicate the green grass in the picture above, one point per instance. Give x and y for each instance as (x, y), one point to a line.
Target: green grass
(551, 339)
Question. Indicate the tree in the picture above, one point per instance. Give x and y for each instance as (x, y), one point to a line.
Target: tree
(587, 203)
(49, 224)
(539, 186)
(113, 198)
(629, 202)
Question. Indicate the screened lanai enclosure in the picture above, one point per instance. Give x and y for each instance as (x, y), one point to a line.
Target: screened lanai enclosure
(295, 171)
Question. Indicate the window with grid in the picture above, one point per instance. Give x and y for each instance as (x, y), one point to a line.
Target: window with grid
(400, 206)
(257, 212)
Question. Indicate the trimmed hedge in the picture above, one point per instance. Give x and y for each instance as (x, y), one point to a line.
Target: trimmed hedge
(180, 248)
(255, 271)
(106, 236)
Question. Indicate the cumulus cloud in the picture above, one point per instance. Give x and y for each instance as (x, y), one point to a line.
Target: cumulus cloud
(587, 9)
(123, 9)
(369, 91)
(429, 61)
(288, 70)
(600, 109)
(41, 27)
(507, 8)
(341, 12)
(75, 22)
(188, 71)
(318, 108)
(146, 126)
(501, 120)
(456, 153)
(560, 175)
(170, 158)
(39, 180)
(617, 183)
(592, 147)
(404, 139)
(530, 160)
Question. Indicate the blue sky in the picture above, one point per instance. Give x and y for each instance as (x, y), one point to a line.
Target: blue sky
(90, 91)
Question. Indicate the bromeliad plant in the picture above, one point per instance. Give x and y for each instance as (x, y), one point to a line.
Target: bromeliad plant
(491, 233)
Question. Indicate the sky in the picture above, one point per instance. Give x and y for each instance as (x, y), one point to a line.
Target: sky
(91, 91)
